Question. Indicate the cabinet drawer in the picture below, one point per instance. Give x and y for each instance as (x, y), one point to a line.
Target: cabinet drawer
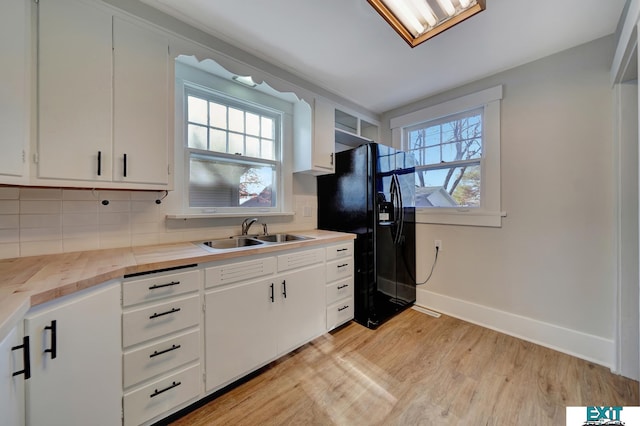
(157, 320)
(340, 250)
(339, 313)
(160, 357)
(239, 271)
(339, 290)
(339, 269)
(161, 396)
(299, 259)
(158, 286)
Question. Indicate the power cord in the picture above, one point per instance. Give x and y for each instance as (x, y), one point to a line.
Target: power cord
(435, 260)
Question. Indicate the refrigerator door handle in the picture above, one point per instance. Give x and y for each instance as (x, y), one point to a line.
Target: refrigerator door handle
(400, 210)
(393, 191)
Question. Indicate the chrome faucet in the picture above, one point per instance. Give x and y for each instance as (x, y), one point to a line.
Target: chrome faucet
(246, 224)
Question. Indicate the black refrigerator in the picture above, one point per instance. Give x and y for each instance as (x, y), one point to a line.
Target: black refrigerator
(372, 195)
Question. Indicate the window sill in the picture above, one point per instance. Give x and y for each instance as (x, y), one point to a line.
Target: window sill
(223, 215)
(460, 217)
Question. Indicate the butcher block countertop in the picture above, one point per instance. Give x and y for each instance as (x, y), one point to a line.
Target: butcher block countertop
(30, 281)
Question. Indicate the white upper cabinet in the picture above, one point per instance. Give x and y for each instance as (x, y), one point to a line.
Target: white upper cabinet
(314, 145)
(141, 103)
(14, 89)
(74, 91)
(103, 89)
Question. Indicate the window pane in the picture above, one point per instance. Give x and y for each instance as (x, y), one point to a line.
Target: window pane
(218, 140)
(236, 120)
(448, 187)
(197, 137)
(253, 147)
(218, 114)
(253, 124)
(197, 110)
(219, 183)
(267, 128)
(268, 152)
(236, 144)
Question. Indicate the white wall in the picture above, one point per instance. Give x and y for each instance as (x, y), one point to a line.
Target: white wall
(549, 273)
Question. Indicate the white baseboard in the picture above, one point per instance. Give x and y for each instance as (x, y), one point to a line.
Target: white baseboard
(576, 343)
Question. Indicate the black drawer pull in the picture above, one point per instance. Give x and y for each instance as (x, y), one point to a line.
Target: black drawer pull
(272, 295)
(26, 358)
(99, 163)
(153, 287)
(343, 308)
(172, 348)
(125, 166)
(284, 288)
(343, 265)
(174, 310)
(171, 386)
(342, 249)
(54, 340)
(340, 287)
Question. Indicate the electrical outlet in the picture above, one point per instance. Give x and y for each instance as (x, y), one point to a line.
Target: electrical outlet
(438, 244)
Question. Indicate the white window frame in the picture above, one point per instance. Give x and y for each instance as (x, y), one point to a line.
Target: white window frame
(489, 213)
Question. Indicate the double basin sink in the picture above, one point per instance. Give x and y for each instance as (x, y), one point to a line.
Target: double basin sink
(251, 241)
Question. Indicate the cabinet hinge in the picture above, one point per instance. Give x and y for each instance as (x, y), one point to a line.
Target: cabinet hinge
(35, 158)
(204, 376)
(204, 307)
(24, 156)
(168, 170)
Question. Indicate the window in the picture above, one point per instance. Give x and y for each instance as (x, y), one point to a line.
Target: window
(233, 152)
(457, 149)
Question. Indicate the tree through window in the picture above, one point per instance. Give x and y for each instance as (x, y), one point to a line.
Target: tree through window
(449, 155)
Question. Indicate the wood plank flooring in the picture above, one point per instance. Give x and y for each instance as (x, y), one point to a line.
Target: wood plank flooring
(417, 370)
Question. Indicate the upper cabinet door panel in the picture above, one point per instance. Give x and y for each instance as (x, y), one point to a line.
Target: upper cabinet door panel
(14, 94)
(141, 103)
(323, 135)
(74, 90)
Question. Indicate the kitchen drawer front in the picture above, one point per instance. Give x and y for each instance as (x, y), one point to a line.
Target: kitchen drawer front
(158, 358)
(339, 313)
(340, 250)
(158, 320)
(339, 269)
(239, 271)
(159, 286)
(161, 396)
(339, 290)
(299, 259)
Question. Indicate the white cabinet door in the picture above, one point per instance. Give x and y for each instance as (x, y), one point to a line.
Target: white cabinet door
(240, 330)
(74, 90)
(302, 308)
(141, 103)
(14, 93)
(323, 135)
(12, 387)
(76, 369)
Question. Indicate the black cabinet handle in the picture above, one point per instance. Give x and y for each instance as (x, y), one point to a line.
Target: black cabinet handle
(26, 358)
(172, 348)
(174, 310)
(343, 308)
(342, 249)
(343, 265)
(125, 165)
(153, 287)
(273, 299)
(332, 158)
(171, 386)
(99, 163)
(284, 288)
(340, 287)
(53, 350)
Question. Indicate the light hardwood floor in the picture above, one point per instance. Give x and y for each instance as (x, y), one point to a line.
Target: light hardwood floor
(417, 370)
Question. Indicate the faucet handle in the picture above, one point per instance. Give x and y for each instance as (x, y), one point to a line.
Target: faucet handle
(264, 229)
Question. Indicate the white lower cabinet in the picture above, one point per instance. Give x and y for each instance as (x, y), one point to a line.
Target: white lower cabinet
(13, 365)
(161, 343)
(76, 364)
(339, 291)
(250, 321)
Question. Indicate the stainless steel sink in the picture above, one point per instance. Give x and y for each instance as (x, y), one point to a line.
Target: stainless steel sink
(250, 241)
(281, 238)
(231, 243)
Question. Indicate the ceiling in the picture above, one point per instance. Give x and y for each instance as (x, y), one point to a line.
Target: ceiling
(344, 46)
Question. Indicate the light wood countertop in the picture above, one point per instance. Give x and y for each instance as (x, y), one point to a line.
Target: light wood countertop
(30, 281)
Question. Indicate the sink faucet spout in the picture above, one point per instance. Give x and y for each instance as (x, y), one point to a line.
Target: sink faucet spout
(246, 224)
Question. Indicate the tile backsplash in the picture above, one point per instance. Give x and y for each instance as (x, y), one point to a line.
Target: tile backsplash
(36, 221)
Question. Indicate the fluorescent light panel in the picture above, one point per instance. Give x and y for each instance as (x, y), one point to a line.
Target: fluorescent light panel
(418, 20)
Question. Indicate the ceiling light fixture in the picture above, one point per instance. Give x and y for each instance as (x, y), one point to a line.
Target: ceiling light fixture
(244, 80)
(418, 20)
